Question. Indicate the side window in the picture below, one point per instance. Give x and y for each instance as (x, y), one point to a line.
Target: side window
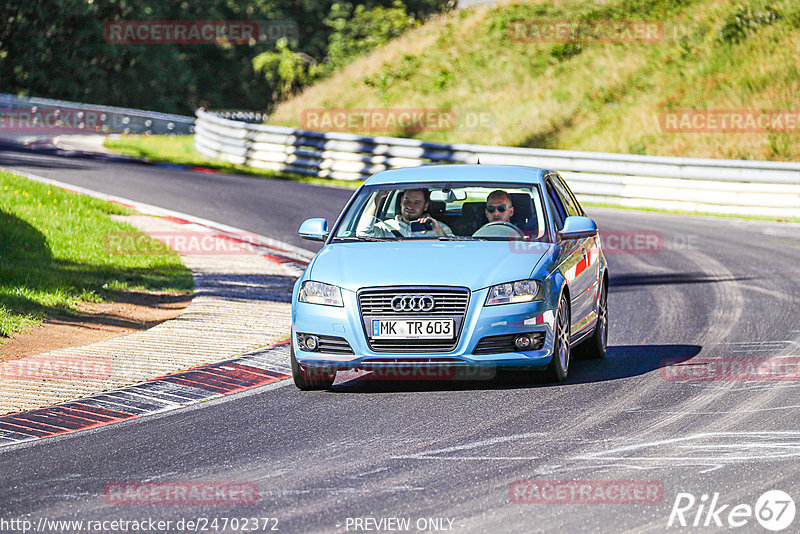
(566, 196)
(571, 195)
(559, 214)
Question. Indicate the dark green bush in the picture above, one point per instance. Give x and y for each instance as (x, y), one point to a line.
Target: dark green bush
(746, 20)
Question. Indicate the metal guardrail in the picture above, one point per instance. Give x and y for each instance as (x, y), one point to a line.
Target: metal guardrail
(44, 115)
(707, 185)
(463, 4)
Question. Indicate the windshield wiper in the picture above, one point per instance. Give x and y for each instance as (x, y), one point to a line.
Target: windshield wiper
(361, 238)
(459, 238)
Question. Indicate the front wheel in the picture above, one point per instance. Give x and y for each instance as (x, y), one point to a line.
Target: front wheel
(595, 346)
(559, 365)
(309, 379)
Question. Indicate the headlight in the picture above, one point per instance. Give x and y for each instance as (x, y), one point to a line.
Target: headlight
(320, 293)
(521, 291)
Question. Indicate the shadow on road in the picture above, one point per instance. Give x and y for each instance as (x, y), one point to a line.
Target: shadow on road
(622, 361)
(14, 154)
(619, 282)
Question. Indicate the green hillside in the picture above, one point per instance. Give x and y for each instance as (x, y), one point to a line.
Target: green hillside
(590, 95)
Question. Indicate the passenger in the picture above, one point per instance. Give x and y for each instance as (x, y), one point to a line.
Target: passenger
(414, 205)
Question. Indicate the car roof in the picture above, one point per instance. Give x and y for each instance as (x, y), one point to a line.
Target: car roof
(459, 173)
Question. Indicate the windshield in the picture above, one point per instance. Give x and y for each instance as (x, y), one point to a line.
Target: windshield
(457, 211)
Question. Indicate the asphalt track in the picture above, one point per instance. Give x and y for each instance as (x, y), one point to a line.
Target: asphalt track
(713, 288)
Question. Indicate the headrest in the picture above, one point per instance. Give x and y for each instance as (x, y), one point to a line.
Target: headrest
(436, 208)
(473, 210)
(523, 210)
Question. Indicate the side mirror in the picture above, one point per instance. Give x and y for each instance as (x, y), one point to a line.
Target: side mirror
(577, 227)
(314, 229)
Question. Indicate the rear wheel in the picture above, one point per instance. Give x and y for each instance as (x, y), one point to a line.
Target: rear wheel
(559, 365)
(595, 346)
(309, 379)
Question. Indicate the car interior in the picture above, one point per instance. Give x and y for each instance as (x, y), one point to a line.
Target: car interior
(465, 218)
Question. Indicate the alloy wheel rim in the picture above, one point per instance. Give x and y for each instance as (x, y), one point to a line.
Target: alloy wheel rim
(563, 336)
(603, 319)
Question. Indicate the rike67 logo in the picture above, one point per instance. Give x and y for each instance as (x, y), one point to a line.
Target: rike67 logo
(774, 510)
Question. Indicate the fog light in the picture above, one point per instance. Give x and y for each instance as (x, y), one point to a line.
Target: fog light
(523, 342)
(311, 343)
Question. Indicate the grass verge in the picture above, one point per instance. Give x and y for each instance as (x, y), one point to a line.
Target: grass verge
(53, 255)
(606, 94)
(179, 150)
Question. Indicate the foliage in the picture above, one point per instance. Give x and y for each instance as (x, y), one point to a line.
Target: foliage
(744, 20)
(57, 49)
(358, 31)
(285, 70)
(391, 74)
(354, 31)
(606, 95)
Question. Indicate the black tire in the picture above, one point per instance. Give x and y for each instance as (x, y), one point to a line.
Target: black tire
(310, 379)
(595, 346)
(559, 365)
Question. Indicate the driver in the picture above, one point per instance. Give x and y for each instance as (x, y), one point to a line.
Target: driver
(414, 205)
(499, 207)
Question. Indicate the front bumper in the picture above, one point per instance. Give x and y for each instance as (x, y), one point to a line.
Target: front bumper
(480, 321)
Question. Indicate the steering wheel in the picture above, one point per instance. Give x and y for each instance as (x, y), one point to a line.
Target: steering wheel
(498, 229)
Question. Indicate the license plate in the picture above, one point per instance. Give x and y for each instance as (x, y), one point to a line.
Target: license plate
(411, 328)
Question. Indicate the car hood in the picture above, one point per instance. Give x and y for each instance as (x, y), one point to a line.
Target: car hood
(472, 264)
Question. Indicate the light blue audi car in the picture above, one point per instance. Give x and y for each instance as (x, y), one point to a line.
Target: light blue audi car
(451, 267)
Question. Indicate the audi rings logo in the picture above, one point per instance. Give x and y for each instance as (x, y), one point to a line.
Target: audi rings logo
(413, 303)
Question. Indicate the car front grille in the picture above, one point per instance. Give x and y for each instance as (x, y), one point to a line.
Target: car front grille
(449, 302)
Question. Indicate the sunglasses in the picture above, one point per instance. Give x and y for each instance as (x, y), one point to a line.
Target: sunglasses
(501, 208)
